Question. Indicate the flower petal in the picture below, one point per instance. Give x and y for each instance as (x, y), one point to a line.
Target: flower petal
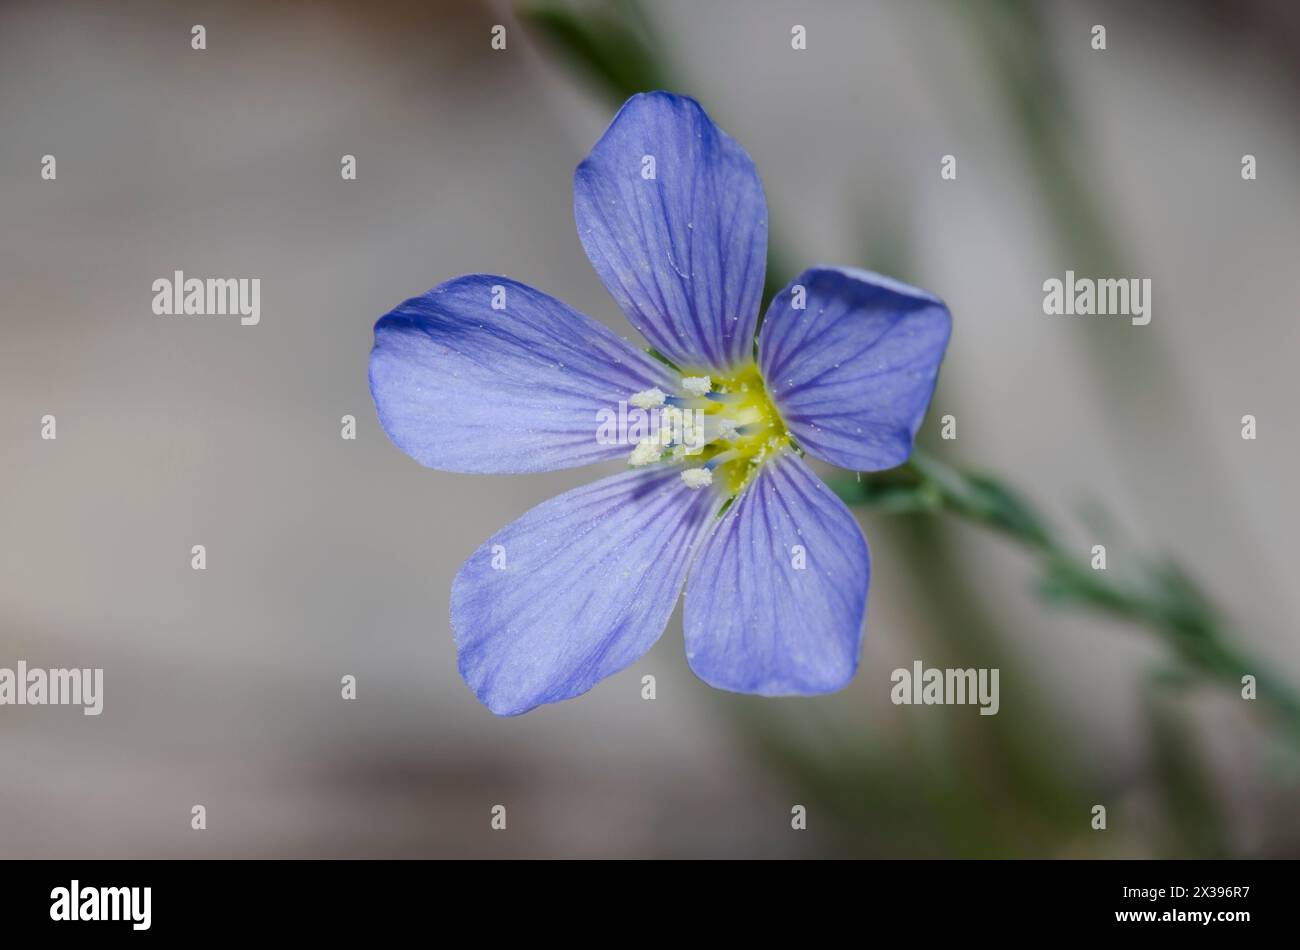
(853, 371)
(576, 589)
(777, 593)
(464, 387)
(683, 252)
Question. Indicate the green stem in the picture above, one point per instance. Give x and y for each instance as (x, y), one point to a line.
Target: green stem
(1158, 595)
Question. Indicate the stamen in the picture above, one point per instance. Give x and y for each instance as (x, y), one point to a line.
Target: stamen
(722, 458)
(648, 398)
(697, 477)
(671, 422)
(725, 426)
(646, 452)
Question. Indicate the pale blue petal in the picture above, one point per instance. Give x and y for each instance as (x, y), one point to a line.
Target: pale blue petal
(464, 387)
(683, 252)
(778, 592)
(852, 372)
(576, 589)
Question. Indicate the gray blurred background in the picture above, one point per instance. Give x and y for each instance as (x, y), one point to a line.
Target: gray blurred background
(328, 557)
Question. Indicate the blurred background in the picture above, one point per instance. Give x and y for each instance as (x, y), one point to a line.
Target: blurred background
(329, 557)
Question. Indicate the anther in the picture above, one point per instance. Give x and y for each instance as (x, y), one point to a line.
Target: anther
(697, 477)
(648, 398)
(646, 452)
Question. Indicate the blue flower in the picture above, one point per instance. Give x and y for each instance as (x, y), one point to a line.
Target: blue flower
(484, 374)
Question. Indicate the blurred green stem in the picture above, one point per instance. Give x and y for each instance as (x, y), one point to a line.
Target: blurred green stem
(1159, 595)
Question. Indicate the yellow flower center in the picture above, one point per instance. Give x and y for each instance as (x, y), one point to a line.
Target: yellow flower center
(731, 428)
